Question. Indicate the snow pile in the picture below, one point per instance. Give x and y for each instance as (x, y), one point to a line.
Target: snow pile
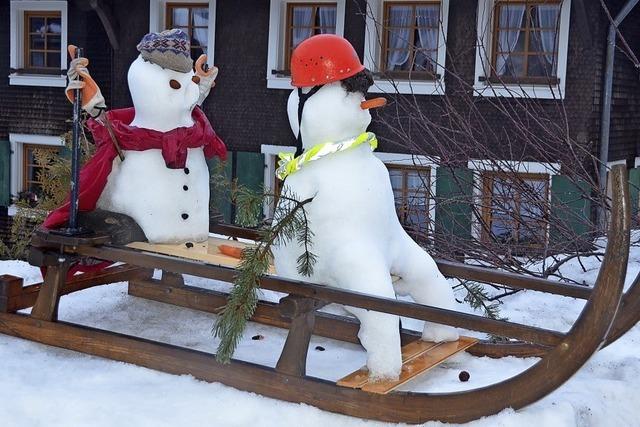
(41, 385)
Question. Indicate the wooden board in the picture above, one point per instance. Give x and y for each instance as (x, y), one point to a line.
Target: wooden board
(203, 251)
(417, 357)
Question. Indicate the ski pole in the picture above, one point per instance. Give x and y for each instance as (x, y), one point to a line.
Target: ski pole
(75, 157)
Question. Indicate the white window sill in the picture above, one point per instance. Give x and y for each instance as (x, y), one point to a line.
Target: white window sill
(517, 91)
(408, 87)
(379, 86)
(16, 79)
(279, 83)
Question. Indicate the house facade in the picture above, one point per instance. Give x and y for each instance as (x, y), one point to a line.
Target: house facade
(495, 72)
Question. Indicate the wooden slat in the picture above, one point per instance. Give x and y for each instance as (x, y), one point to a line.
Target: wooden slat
(420, 364)
(203, 251)
(409, 352)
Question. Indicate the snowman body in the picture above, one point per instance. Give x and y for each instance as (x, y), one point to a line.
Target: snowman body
(170, 205)
(358, 239)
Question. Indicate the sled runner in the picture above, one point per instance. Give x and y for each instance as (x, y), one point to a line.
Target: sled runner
(561, 354)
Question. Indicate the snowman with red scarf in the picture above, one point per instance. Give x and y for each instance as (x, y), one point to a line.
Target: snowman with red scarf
(358, 241)
(150, 162)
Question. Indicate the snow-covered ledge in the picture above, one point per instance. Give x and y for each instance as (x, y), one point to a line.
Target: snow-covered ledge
(17, 141)
(17, 37)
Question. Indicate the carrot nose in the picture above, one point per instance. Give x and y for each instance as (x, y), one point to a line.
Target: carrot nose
(373, 103)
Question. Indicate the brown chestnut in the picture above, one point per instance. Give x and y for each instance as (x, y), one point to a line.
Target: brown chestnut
(174, 84)
(195, 79)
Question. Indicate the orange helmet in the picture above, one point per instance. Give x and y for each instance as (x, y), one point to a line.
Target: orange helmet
(322, 59)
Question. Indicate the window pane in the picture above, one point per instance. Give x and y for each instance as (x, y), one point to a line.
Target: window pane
(513, 66)
(37, 41)
(199, 37)
(53, 42)
(36, 25)
(545, 16)
(327, 19)
(396, 179)
(54, 25)
(511, 16)
(511, 41)
(428, 16)
(37, 59)
(180, 16)
(53, 59)
(540, 66)
(200, 17)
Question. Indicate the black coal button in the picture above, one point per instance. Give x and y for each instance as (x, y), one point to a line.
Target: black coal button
(185, 216)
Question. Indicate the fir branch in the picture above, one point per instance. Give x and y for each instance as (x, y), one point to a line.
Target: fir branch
(243, 298)
(477, 297)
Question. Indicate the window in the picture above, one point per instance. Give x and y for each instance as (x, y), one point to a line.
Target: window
(522, 48)
(514, 208)
(193, 19)
(305, 20)
(196, 18)
(525, 47)
(411, 186)
(410, 39)
(291, 22)
(38, 40)
(405, 45)
(33, 169)
(42, 40)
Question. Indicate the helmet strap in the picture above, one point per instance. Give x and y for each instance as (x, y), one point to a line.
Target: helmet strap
(302, 99)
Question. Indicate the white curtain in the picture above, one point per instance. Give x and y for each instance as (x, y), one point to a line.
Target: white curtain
(200, 18)
(399, 17)
(327, 15)
(548, 17)
(510, 16)
(301, 18)
(428, 18)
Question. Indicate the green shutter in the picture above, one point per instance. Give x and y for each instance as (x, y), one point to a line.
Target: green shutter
(5, 173)
(250, 171)
(634, 190)
(570, 209)
(220, 201)
(454, 195)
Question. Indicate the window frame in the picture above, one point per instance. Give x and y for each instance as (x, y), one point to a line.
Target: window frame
(373, 54)
(20, 75)
(488, 178)
(46, 14)
(169, 17)
(485, 83)
(422, 75)
(158, 21)
(17, 142)
(288, 26)
(403, 213)
(276, 56)
(553, 80)
(26, 148)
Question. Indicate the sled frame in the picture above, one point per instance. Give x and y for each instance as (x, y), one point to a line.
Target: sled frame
(598, 324)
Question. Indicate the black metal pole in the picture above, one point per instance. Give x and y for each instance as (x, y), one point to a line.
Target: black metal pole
(75, 157)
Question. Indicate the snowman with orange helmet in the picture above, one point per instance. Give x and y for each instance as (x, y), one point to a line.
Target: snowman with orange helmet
(358, 240)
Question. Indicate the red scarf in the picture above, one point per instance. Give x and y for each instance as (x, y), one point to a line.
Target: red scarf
(174, 145)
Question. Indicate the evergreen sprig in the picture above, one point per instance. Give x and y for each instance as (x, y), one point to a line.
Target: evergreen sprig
(290, 222)
(478, 298)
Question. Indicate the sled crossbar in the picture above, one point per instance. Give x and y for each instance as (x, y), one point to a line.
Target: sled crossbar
(418, 357)
(329, 294)
(462, 271)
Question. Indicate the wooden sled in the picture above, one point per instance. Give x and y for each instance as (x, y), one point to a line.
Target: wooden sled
(561, 354)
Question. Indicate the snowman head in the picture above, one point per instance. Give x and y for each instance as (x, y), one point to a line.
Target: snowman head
(328, 104)
(161, 81)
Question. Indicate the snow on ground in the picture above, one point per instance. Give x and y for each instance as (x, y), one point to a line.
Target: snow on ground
(46, 386)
